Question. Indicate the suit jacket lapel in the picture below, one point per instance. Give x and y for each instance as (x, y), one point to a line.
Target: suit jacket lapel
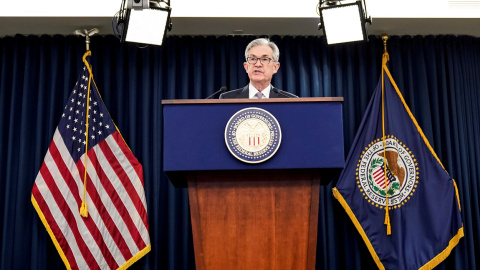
(273, 94)
(244, 92)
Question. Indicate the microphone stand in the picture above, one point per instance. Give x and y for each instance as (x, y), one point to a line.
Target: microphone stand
(222, 89)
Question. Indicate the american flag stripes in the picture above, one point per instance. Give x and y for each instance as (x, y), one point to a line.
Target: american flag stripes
(115, 234)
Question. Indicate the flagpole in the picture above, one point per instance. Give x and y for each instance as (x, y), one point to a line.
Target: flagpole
(385, 39)
(87, 35)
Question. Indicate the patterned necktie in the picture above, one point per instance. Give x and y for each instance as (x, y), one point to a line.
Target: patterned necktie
(259, 95)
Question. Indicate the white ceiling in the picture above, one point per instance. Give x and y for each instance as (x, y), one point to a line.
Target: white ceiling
(228, 17)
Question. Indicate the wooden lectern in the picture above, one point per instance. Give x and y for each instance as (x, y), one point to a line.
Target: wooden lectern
(253, 216)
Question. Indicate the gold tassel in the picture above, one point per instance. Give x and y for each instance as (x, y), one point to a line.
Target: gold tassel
(83, 210)
(387, 222)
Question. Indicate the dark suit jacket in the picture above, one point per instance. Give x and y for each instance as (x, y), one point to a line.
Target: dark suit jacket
(243, 93)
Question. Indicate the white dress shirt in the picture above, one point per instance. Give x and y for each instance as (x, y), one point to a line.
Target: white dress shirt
(252, 91)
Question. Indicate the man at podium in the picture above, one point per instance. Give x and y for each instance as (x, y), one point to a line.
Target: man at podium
(261, 62)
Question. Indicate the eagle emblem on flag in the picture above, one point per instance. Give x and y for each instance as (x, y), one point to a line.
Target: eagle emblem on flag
(387, 172)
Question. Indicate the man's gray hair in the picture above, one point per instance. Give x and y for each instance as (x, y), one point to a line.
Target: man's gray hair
(266, 42)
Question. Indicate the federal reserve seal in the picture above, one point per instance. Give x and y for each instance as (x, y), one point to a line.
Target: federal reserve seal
(399, 165)
(253, 135)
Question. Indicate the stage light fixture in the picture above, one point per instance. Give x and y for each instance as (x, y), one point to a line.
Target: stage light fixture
(343, 22)
(143, 21)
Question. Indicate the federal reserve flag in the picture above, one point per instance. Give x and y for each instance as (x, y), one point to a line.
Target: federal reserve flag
(395, 189)
(89, 192)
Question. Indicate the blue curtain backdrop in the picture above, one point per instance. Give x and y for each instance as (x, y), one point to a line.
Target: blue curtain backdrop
(438, 76)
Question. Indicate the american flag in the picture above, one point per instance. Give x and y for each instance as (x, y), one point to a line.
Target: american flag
(115, 234)
(379, 176)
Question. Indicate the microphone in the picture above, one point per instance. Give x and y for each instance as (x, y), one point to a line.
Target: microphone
(222, 89)
(282, 93)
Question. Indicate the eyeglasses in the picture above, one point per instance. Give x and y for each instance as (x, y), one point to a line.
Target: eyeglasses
(263, 60)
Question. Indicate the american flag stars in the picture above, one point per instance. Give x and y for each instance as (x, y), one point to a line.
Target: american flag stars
(73, 125)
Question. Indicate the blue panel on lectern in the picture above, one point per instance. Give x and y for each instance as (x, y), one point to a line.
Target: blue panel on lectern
(312, 136)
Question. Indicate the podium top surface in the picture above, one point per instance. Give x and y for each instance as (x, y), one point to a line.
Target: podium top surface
(246, 100)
